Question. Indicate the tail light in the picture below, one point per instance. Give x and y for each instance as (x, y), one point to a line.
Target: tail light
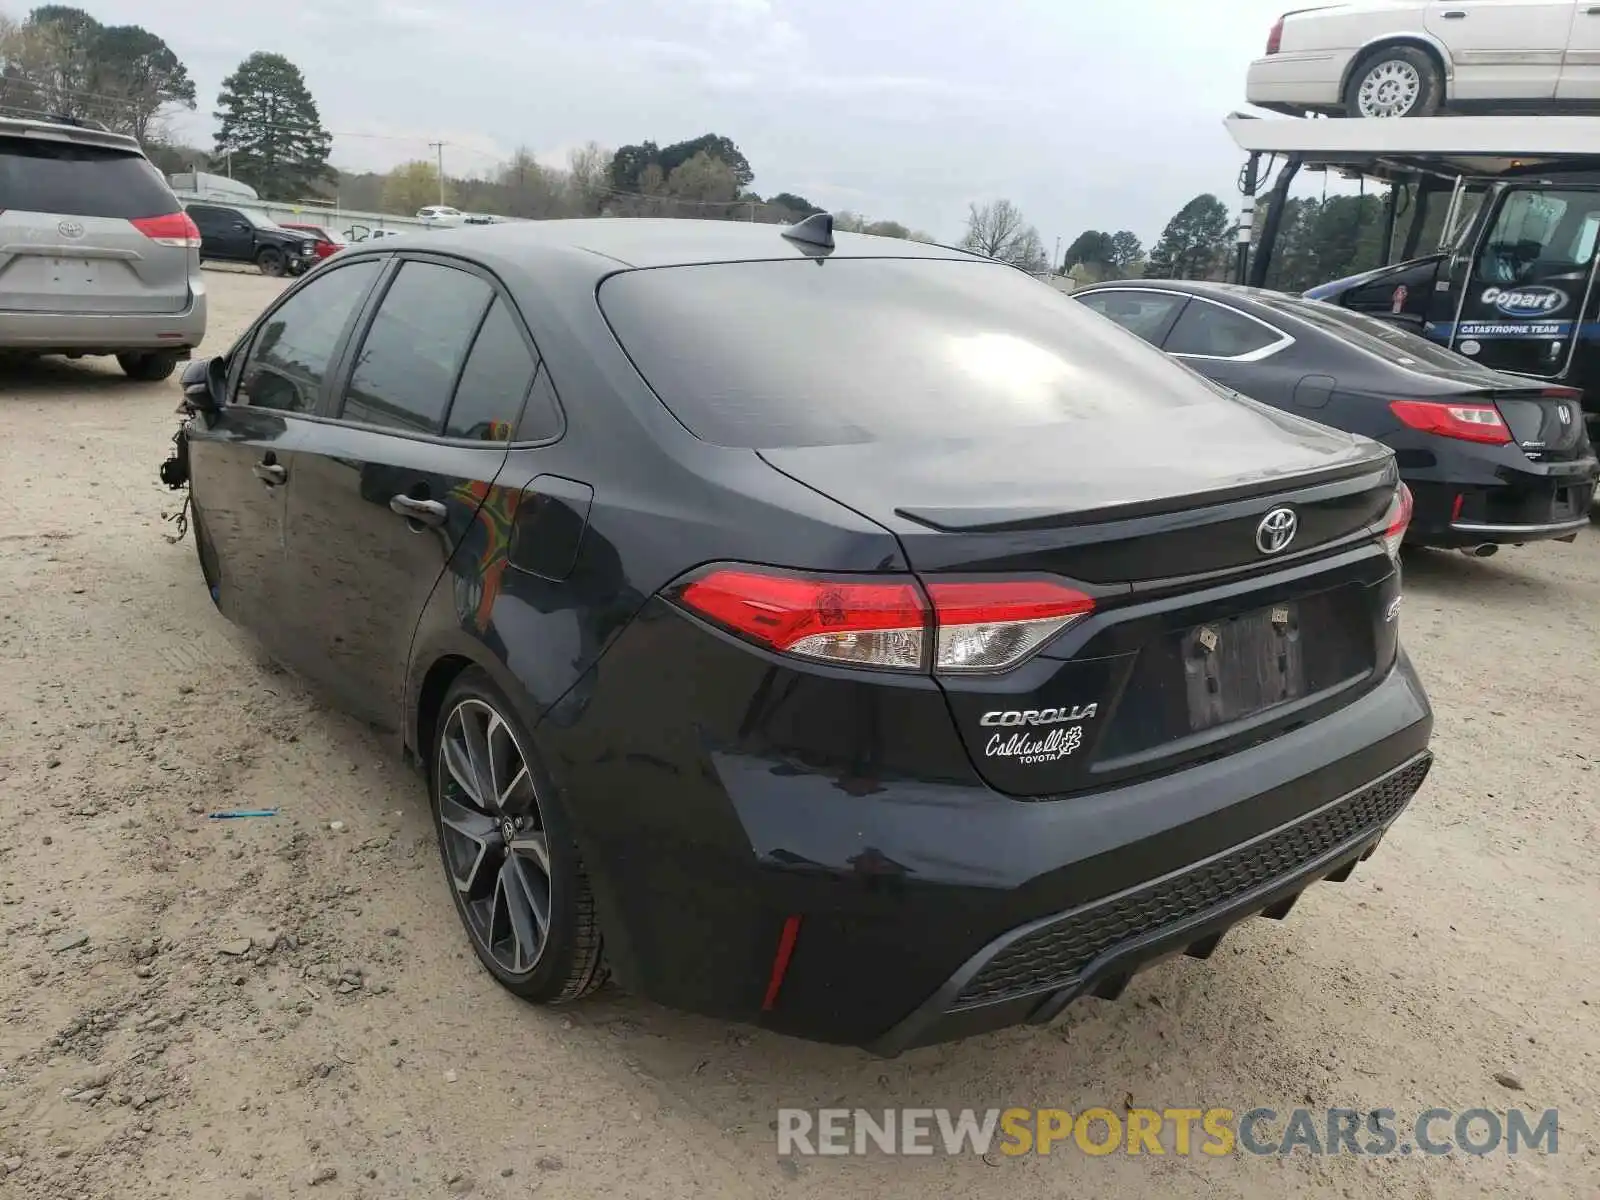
(886, 621)
(1275, 38)
(1396, 520)
(1465, 422)
(171, 229)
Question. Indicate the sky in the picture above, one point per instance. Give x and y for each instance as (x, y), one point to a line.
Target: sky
(1086, 114)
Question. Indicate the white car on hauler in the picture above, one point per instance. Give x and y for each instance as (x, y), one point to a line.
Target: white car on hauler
(1412, 58)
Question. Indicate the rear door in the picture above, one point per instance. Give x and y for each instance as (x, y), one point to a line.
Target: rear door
(243, 464)
(1503, 49)
(224, 233)
(69, 238)
(391, 484)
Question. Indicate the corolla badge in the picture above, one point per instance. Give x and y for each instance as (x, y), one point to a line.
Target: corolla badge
(1527, 301)
(1276, 531)
(70, 229)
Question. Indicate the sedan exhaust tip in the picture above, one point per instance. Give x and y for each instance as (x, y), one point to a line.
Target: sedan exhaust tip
(1485, 550)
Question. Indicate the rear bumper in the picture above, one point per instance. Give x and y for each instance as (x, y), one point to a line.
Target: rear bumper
(105, 333)
(754, 797)
(1470, 495)
(1298, 81)
(1030, 975)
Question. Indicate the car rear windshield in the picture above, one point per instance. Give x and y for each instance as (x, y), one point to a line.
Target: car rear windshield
(815, 352)
(1388, 341)
(72, 179)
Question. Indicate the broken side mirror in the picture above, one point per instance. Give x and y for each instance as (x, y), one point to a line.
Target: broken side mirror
(204, 382)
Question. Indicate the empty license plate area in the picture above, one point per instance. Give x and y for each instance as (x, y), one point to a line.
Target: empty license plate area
(1238, 667)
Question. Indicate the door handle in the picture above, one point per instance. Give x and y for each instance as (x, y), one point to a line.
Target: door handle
(1455, 14)
(424, 512)
(1592, 12)
(270, 473)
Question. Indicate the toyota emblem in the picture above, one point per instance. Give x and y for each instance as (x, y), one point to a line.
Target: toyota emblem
(1276, 531)
(70, 229)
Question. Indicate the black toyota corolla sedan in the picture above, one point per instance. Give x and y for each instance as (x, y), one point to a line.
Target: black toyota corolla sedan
(1492, 459)
(851, 636)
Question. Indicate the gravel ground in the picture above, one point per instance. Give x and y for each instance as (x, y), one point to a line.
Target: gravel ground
(270, 1008)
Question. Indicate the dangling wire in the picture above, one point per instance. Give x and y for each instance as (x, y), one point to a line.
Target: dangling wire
(180, 519)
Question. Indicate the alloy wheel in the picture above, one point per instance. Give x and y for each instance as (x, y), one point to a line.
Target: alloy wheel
(1391, 89)
(492, 832)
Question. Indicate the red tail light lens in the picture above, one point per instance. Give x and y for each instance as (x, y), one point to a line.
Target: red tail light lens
(1396, 521)
(884, 621)
(990, 626)
(1465, 422)
(1275, 38)
(878, 622)
(172, 229)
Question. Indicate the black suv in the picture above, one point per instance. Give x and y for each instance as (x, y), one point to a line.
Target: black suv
(232, 234)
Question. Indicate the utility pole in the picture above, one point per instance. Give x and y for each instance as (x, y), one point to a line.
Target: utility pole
(439, 146)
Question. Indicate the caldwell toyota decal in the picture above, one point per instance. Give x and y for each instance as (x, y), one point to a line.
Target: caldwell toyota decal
(1525, 302)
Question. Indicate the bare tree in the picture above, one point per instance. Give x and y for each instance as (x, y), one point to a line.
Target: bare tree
(588, 177)
(998, 230)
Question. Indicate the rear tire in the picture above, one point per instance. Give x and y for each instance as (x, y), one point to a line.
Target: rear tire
(271, 262)
(148, 368)
(510, 861)
(1395, 81)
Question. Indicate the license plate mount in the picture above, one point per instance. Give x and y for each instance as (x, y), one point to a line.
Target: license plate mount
(1244, 665)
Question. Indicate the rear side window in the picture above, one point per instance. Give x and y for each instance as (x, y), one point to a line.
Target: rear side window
(69, 179)
(496, 378)
(1211, 331)
(295, 345)
(813, 352)
(1143, 313)
(415, 348)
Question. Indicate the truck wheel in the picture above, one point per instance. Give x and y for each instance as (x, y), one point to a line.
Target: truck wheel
(1395, 81)
(148, 368)
(270, 260)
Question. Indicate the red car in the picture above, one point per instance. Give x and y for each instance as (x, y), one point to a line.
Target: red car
(327, 243)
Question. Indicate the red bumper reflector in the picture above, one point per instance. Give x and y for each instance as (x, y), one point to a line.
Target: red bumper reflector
(780, 961)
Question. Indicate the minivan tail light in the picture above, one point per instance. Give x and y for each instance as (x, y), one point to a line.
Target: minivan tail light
(885, 621)
(1275, 38)
(170, 229)
(1464, 422)
(993, 625)
(1397, 520)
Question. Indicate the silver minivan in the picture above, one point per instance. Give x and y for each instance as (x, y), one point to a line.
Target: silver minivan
(96, 254)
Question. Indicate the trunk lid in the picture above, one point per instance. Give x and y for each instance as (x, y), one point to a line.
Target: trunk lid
(1546, 423)
(1200, 643)
(1108, 502)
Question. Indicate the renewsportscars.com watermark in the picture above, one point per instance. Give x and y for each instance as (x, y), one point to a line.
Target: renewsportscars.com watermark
(1216, 1132)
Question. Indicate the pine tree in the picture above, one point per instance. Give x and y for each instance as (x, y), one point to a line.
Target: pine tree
(1191, 246)
(270, 127)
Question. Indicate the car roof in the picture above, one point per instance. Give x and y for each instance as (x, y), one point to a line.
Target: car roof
(659, 242)
(67, 131)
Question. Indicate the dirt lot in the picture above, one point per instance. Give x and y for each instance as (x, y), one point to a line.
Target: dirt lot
(212, 1010)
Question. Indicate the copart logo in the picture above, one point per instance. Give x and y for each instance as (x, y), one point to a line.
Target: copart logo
(1526, 302)
(1039, 716)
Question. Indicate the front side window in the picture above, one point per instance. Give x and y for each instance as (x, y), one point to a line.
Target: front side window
(296, 344)
(414, 351)
(1143, 313)
(1211, 331)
